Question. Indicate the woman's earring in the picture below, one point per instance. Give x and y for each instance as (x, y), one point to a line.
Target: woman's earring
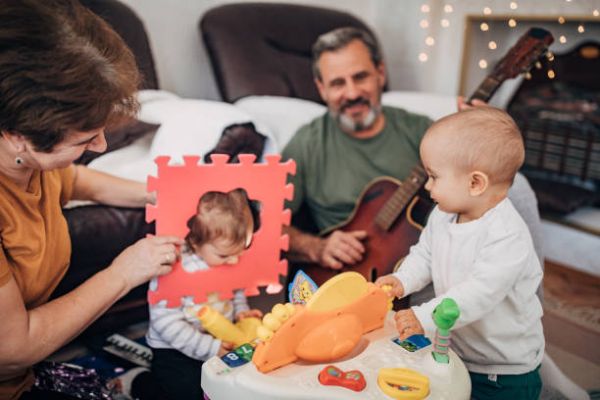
(18, 160)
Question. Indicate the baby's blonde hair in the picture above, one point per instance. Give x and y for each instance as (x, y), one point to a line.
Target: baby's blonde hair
(482, 139)
(220, 215)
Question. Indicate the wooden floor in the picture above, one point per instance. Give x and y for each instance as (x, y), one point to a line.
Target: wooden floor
(572, 322)
(576, 288)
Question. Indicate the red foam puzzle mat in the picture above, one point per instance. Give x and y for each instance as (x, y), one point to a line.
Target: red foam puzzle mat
(178, 188)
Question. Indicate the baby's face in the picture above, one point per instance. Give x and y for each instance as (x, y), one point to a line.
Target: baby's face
(222, 251)
(447, 185)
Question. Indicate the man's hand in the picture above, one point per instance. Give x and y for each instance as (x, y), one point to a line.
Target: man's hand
(462, 105)
(341, 248)
(407, 324)
(397, 290)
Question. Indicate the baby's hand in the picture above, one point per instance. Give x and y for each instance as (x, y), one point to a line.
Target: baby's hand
(408, 324)
(397, 290)
(254, 313)
(225, 348)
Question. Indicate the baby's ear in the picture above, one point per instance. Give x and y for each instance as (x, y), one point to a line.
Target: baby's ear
(478, 183)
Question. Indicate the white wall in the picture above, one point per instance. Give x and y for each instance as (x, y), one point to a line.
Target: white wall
(183, 66)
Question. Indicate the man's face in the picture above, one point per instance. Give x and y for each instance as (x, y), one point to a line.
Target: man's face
(351, 85)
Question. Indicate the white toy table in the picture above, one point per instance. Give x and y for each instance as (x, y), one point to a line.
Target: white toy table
(300, 380)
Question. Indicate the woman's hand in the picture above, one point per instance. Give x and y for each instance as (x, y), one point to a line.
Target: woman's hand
(396, 288)
(147, 258)
(254, 313)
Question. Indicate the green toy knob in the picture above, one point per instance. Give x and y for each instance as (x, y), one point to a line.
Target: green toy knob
(444, 316)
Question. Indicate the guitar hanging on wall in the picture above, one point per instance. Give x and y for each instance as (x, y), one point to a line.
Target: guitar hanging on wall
(391, 212)
(519, 60)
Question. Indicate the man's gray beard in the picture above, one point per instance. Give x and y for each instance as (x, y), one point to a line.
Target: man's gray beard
(347, 124)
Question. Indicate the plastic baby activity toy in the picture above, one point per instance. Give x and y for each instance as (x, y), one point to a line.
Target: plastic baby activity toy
(341, 345)
(216, 324)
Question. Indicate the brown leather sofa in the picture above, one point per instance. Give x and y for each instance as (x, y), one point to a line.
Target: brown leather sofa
(265, 48)
(100, 233)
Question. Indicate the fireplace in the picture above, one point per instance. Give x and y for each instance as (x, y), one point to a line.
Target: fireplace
(557, 107)
(560, 122)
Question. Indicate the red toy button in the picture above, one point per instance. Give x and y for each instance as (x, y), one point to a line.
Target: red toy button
(333, 376)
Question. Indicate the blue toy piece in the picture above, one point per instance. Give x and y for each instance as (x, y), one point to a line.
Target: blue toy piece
(301, 288)
(413, 343)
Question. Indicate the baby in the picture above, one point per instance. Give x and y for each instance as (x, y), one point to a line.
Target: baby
(478, 251)
(219, 232)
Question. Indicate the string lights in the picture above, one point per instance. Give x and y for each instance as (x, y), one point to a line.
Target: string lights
(424, 24)
(426, 21)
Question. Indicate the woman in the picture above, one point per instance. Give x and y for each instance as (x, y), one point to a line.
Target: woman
(64, 76)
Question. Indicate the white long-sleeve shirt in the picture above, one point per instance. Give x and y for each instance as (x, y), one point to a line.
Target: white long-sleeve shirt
(179, 328)
(490, 268)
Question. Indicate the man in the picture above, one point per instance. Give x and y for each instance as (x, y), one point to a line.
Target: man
(357, 140)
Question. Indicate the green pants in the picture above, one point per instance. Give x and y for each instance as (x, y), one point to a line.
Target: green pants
(514, 387)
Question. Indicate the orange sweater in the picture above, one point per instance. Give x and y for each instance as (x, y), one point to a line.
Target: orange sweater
(35, 246)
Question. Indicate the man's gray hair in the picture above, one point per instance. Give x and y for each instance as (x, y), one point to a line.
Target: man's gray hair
(340, 38)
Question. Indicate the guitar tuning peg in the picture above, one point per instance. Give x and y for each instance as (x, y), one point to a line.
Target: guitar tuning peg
(527, 75)
(538, 65)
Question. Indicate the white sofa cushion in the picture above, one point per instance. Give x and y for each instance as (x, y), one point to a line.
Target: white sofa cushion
(187, 127)
(433, 105)
(283, 116)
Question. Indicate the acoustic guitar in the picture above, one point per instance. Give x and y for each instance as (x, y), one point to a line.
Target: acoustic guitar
(391, 212)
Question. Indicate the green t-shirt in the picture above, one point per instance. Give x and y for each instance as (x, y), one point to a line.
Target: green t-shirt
(333, 167)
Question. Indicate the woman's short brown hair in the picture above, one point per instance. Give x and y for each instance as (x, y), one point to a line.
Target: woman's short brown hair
(62, 68)
(220, 215)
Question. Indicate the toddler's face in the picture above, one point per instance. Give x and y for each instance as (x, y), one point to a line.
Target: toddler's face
(222, 251)
(447, 185)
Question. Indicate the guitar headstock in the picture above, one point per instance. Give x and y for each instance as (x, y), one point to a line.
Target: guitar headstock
(520, 58)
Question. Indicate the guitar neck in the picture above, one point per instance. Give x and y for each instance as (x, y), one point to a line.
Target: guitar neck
(486, 89)
(400, 199)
